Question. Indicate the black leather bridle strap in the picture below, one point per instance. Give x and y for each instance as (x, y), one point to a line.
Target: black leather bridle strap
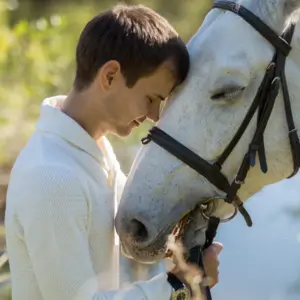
(261, 94)
(278, 42)
(210, 171)
(293, 134)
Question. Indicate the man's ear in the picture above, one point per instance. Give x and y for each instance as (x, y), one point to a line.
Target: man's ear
(108, 73)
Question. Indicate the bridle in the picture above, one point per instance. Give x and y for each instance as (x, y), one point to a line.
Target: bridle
(263, 103)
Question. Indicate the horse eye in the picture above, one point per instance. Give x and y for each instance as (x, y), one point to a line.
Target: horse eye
(227, 94)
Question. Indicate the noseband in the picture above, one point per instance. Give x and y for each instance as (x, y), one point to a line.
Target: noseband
(263, 103)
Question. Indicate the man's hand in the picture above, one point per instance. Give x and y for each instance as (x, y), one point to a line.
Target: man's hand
(211, 263)
(191, 275)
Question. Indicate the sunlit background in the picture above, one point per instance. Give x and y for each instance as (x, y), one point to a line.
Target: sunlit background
(37, 47)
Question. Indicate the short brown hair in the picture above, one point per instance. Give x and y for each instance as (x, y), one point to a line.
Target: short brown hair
(137, 37)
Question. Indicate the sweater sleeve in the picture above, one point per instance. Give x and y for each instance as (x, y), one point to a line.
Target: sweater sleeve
(54, 218)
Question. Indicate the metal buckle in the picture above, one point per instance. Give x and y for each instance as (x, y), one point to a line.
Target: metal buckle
(209, 201)
(240, 182)
(236, 7)
(181, 294)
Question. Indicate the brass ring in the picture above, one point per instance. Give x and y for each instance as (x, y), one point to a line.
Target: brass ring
(221, 220)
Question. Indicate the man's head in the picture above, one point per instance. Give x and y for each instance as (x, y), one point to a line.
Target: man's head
(131, 58)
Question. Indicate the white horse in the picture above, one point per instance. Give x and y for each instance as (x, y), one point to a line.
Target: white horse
(228, 62)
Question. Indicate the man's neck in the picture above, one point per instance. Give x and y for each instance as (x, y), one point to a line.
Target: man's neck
(79, 107)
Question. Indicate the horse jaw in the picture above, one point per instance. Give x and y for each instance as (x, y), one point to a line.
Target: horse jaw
(160, 189)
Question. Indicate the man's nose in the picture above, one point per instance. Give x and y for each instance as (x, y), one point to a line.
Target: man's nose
(141, 120)
(154, 113)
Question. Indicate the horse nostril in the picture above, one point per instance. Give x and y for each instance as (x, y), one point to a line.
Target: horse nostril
(138, 230)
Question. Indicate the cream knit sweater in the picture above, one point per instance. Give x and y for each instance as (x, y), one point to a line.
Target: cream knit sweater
(61, 202)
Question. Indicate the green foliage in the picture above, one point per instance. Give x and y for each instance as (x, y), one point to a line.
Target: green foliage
(36, 61)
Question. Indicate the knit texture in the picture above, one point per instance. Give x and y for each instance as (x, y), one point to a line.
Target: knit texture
(61, 203)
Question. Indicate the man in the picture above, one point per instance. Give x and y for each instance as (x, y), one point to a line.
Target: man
(65, 183)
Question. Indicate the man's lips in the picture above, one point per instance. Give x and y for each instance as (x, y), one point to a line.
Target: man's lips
(138, 122)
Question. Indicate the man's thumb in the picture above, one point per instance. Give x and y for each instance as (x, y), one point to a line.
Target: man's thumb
(218, 247)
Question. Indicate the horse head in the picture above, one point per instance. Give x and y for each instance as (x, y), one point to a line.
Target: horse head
(229, 59)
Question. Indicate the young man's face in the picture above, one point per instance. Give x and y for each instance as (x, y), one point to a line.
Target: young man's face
(129, 107)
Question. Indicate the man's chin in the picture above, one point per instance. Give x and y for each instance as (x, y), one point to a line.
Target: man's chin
(122, 131)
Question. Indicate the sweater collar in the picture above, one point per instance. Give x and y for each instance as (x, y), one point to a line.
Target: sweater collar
(53, 120)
